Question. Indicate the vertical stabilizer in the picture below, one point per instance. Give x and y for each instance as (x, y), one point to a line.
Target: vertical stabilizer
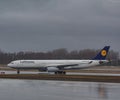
(102, 54)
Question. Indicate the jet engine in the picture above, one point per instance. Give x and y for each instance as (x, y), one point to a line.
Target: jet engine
(52, 69)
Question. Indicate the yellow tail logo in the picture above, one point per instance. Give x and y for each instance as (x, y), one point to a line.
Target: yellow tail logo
(103, 53)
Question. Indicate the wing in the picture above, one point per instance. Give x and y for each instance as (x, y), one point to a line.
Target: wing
(62, 66)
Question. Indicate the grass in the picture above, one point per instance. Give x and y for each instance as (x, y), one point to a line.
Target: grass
(90, 78)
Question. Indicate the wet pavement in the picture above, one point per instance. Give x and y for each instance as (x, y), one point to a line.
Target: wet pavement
(57, 90)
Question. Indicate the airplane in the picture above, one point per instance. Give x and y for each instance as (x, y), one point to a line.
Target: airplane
(59, 66)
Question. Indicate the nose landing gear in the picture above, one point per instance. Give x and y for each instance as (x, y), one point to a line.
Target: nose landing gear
(18, 71)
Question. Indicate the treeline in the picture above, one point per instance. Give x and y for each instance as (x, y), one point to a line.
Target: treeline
(62, 53)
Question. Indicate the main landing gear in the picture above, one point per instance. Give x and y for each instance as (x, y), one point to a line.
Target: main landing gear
(60, 72)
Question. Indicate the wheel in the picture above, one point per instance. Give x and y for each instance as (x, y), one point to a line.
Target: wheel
(18, 71)
(56, 72)
(64, 72)
(60, 72)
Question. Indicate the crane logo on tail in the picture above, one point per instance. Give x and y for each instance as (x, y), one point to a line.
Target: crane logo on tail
(103, 53)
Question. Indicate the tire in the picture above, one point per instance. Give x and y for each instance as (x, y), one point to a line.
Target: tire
(56, 73)
(64, 72)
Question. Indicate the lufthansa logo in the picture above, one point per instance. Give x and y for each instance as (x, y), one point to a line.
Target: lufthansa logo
(103, 53)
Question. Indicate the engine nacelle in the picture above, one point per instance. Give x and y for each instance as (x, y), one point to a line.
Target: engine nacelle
(52, 69)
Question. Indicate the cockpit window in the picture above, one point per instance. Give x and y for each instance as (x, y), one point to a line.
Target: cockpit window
(12, 62)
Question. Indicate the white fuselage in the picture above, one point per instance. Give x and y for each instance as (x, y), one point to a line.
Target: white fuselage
(54, 64)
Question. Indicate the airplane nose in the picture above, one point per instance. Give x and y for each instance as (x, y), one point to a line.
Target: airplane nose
(8, 65)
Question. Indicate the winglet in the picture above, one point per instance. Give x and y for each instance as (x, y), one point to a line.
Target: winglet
(102, 54)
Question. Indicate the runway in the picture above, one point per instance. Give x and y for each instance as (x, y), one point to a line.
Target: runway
(68, 73)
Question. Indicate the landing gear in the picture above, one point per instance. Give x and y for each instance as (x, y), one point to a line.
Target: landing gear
(18, 71)
(60, 72)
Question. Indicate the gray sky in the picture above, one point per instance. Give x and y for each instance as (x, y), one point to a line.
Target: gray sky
(43, 25)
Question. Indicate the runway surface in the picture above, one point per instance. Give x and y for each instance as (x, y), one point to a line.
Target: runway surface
(68, 73)
(57, 90)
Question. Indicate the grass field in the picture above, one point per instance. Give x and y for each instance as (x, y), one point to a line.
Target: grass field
(88, 78)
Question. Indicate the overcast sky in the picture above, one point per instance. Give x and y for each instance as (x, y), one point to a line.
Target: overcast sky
(43, 25)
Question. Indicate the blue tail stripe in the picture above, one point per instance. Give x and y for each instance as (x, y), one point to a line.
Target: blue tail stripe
(102, 54)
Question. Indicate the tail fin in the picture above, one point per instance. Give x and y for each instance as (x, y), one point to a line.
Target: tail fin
(102, 54)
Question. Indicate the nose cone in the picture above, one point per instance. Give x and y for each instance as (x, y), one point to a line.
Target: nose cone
(9, 65)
